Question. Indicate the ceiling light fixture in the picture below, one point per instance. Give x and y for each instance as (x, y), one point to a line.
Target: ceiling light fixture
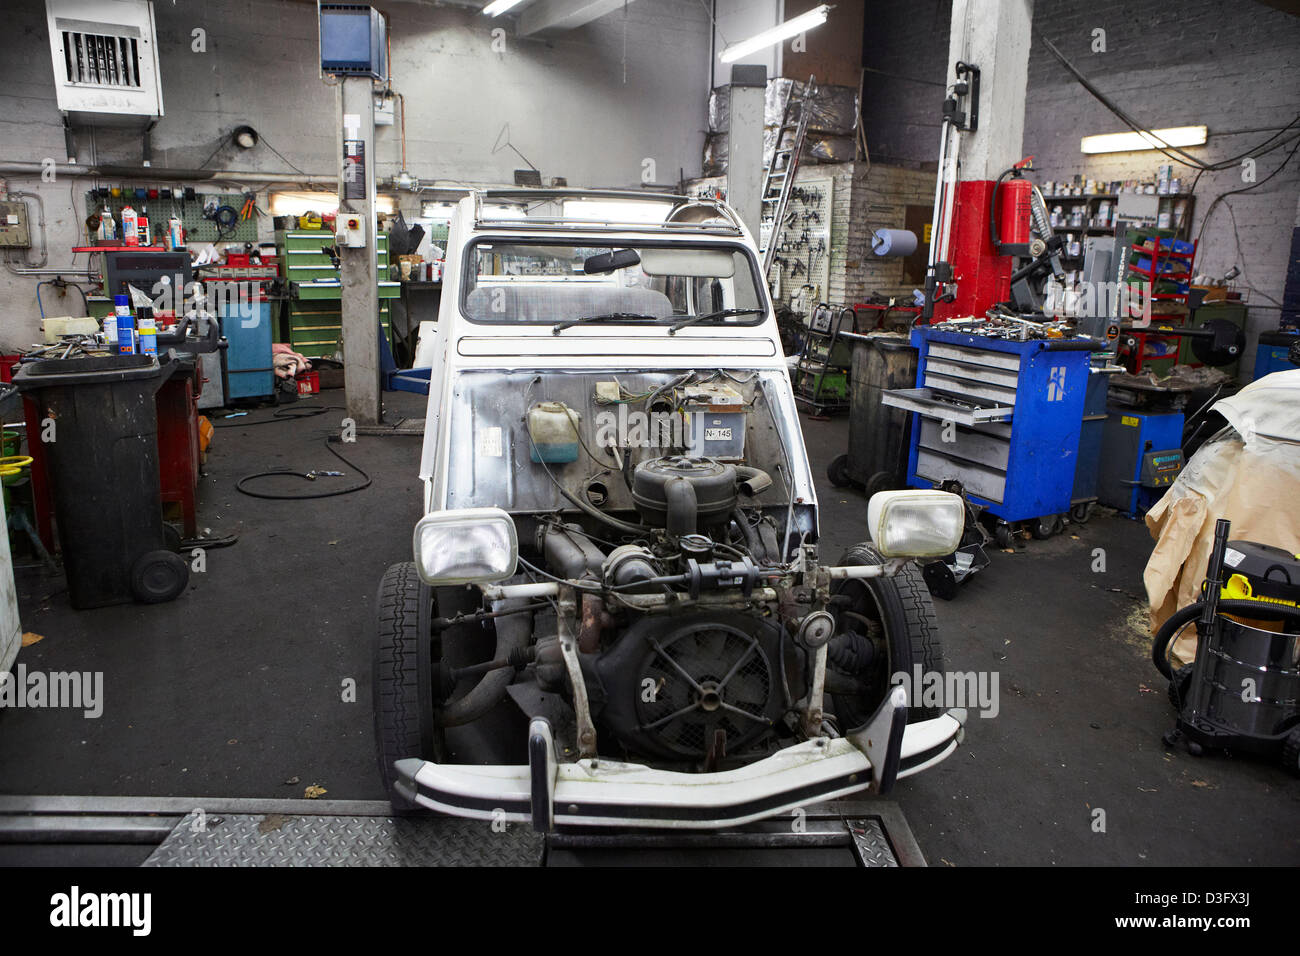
(805, 21)
(498, 7)
(1132, 142)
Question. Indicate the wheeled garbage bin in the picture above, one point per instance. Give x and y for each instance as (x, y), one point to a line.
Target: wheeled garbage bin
(878, 434)
(99, 436)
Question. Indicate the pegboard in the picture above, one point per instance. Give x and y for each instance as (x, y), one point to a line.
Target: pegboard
(804, 246)
(197, 228)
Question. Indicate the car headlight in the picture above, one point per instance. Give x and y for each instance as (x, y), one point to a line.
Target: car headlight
(466, 546)
(916, 524)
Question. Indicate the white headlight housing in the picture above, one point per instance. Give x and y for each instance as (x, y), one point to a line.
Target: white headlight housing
(915, 523)
(466, 546)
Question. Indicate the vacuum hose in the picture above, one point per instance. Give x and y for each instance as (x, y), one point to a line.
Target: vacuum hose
(1253, 609)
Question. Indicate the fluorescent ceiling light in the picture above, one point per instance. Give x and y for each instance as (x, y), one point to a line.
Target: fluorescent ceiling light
(805, 21)
(290, 202)
(1147, 139)
(498, 7)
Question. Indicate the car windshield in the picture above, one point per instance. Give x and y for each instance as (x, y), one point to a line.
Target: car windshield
(635, 284)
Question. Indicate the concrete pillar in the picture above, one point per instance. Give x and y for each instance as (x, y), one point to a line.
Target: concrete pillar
(358, 268)
(745, 144)
(993, 35)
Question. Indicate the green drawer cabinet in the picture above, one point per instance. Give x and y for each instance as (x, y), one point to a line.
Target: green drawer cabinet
(313, 322)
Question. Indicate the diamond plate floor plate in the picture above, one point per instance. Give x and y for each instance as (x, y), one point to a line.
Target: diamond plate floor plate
(871, 844)
(236, 839)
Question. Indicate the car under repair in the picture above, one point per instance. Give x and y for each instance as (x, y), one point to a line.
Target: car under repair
(630, 551)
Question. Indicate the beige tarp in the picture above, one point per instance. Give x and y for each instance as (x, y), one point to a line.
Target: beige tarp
(1250, 474)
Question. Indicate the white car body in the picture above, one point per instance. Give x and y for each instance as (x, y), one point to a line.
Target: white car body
(467, 463)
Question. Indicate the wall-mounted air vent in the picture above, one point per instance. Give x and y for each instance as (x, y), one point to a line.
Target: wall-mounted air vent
(100, 59)
(105, 60)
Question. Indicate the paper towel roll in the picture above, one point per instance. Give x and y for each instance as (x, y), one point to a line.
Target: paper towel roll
(893, 242)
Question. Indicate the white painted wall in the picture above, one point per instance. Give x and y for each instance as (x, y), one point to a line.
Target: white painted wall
(739, 20)
(589, 104)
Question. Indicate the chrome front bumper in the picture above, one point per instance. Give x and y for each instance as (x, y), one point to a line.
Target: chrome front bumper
(607, 793)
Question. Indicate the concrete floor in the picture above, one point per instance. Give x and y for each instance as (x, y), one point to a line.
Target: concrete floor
(240, 688)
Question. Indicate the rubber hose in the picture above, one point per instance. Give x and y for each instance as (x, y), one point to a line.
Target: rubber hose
(1256, 609)
(513, 632)
(752, 542)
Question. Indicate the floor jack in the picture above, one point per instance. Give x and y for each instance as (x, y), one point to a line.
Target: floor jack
(1242, 692)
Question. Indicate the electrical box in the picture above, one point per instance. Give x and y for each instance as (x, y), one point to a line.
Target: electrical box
(353, 40)
(14, 233)
(351, 231)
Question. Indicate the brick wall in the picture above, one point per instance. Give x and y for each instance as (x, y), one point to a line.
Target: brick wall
(867, 197)
(1232, 65)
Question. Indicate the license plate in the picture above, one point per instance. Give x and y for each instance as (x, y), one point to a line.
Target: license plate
(717, 434)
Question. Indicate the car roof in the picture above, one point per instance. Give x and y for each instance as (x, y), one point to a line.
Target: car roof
(718, 218)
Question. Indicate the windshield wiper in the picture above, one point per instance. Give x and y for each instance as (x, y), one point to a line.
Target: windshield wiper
(693, 319)
(608, 317)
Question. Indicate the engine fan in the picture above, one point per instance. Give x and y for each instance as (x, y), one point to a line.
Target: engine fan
(695, 677)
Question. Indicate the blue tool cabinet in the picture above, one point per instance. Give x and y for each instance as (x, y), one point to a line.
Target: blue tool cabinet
(1002, 417)
(248, 356)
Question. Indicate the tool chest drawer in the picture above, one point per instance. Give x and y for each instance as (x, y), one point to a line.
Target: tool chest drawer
(976, 444)
(987, 483)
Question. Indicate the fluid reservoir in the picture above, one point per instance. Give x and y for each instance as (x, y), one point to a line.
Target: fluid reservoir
(554, 430)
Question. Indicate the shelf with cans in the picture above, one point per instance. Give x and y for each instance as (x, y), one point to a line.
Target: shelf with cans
(1083, 208)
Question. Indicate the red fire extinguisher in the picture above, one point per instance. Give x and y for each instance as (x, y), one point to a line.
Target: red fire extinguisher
(1012, 214)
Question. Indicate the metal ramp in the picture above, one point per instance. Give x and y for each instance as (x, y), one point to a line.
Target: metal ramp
(180, 831)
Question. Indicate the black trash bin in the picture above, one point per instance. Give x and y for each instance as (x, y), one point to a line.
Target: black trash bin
(879, 434)
(103, 472)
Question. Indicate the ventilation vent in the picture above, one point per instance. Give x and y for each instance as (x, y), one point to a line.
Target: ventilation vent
(100, 59)
(105, 57)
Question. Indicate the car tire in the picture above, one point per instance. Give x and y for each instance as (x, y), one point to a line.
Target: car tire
(902, 605)
(401, 678)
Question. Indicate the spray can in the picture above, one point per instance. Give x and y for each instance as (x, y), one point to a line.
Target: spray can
(175, 238)
(107, 227)
(146, 231)
(125, 325)
(130, 229)
(148, 332)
